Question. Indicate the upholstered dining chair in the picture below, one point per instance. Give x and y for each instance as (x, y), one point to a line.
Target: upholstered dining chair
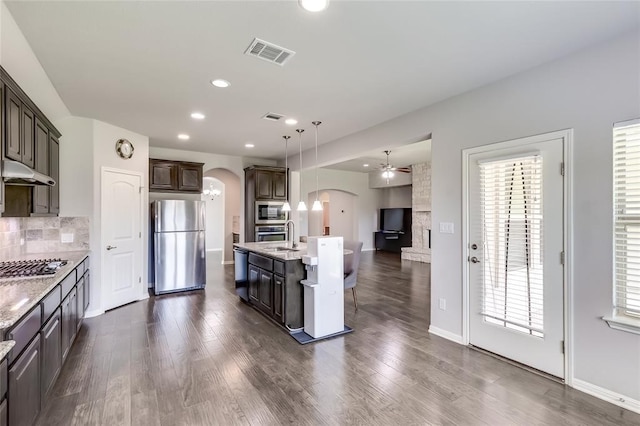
(351, 263)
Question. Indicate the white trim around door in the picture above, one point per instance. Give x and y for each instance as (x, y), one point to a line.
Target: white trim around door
(567, 136)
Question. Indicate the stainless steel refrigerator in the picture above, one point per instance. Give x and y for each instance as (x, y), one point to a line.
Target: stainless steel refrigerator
(178, 245)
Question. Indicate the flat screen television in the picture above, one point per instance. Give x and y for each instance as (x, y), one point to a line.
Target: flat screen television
(393, 220)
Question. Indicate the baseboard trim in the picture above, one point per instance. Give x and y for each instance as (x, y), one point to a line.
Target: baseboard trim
(607, 395)
(214, 249)
(93, 313)
(446, 334)
(228, 262)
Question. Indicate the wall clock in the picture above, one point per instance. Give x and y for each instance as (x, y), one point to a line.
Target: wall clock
(124, 148)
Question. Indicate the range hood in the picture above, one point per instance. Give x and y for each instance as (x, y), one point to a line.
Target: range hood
(17, 173)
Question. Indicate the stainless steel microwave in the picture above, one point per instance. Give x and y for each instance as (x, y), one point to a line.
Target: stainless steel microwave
(270, 213)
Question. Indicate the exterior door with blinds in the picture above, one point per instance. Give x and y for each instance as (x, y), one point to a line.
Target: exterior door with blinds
(516, 275)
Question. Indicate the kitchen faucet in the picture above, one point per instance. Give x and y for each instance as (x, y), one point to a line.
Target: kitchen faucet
(293, 231)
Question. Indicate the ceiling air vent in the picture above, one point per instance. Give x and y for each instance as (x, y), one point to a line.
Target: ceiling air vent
(269, 52)
(272, 116)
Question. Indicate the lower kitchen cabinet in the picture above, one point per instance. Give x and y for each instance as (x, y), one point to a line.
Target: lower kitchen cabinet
(43, 341)
(66, 328)
(80, 304)
(24, 386)
(4, 416)
(266, 291)
(254, 283)
(51, 336)
(278, 298)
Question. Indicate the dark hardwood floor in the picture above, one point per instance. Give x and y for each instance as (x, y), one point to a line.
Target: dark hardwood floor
(205, 358)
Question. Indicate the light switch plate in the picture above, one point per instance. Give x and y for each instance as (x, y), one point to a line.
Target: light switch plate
(446, 228)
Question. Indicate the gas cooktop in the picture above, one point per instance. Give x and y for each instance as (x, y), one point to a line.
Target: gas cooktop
(30, 268)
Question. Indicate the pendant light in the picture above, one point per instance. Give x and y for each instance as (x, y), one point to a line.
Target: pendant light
(302, 207)
(316, 204)
(286, 207)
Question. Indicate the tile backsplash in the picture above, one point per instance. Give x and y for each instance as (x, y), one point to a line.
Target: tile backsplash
(42, 235)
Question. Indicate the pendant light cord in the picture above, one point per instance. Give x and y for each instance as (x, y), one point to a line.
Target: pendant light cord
(317, 123)
(286, 165)
(300, 141)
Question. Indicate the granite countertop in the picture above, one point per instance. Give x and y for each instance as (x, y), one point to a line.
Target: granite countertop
(270, 248)
(5, 348)
(19, 295)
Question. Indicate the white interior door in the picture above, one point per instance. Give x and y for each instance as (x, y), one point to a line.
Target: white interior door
(516, 275)
(121, 237)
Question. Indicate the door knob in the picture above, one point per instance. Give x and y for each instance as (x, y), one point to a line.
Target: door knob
(474, 260)
(111, 247)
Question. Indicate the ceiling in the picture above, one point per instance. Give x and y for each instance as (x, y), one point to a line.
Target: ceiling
(146, 65)
(400, 156)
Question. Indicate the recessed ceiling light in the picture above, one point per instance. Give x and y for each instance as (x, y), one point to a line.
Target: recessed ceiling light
(365, 165)
(197, 115)
(220, 83)
(314, 5)
(183, 136)
(249, 145)
(291, 121)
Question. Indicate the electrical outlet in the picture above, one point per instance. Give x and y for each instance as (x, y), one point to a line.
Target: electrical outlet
(66, 237)
(446, 228)
(443, 304)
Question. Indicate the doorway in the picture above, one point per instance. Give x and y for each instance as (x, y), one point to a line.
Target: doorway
(228, 222)
(515, 247)
(338, 215)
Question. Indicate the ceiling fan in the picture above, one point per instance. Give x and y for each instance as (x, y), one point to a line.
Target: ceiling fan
(388, 169)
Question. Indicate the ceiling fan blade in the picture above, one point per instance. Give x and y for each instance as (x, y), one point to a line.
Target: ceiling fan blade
(404, 170)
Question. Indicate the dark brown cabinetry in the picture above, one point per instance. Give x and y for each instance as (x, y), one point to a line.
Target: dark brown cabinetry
(175, 176)
(13, 147)
(26, 138)
(24, 386)
(41, 193)
(43, 339)
(274, 288)
(54, 172)
(270, 184)
(51, 336)
(262, 183)
(2, 139)
(278, 298)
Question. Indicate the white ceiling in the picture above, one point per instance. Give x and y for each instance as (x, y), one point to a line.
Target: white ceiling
(401, 156)
(146, 65)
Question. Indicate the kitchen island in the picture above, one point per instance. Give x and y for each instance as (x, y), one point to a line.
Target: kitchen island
(271, 274)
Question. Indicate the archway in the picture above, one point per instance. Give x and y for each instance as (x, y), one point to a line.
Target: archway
(227, 222)
(338, 216)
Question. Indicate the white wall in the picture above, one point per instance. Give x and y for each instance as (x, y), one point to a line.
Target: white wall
(104, 141)
(214, 214)
(395, 197)
(18, 59)
(365, 211)
(587, 92)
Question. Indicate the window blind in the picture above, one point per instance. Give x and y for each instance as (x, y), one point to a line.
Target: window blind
(511, 215)
(626, 193)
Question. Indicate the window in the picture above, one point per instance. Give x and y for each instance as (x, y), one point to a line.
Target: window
(626, 204)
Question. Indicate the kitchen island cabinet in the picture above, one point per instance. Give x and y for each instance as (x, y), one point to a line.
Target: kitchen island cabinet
(273, 276)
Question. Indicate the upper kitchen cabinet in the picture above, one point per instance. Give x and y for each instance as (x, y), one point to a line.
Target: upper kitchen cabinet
(54, 172)
(175, 176)
(269, 182)
(2, 135)
(41, 193)
(30, 138)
